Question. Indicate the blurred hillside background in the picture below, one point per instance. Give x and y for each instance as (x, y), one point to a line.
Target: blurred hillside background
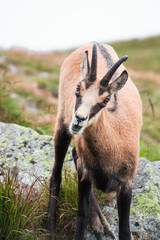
(36, 36)
(29, 88)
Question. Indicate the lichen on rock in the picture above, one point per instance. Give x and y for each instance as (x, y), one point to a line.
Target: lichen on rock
(24, 149)
(33, 155)
(145, 207)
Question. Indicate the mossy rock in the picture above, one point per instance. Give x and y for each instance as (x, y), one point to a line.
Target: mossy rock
(33, 155)
(145, 207)
(24, 150)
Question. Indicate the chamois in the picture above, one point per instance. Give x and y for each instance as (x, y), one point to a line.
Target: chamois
(105, 124)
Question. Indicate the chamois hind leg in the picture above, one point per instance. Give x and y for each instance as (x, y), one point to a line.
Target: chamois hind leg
(124, 202)
(98, 221)
(61, 142)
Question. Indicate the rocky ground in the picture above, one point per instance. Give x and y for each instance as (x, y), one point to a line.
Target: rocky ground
(145, 208)
(31, 155)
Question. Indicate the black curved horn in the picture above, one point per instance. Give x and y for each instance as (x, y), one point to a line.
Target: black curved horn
(93, 70)
(105, 80)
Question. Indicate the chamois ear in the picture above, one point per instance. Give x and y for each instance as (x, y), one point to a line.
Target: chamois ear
(85, 66)
(117, 84)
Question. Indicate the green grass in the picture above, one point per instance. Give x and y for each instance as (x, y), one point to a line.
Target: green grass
(22, 209)
(149, 150)
(46, 129)
(30, 63)
(40, 102)
(68, 204)
(150, 134)
(10, 111)
(51, 83)
(143, 54)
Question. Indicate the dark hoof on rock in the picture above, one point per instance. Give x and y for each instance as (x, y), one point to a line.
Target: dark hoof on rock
(98, 235)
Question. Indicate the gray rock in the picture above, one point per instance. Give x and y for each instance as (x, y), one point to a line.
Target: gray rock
(145, 210)
(13, 68)
(145, 207)
(44, 75)
(25, 150)
(31, 154)
(2, 59)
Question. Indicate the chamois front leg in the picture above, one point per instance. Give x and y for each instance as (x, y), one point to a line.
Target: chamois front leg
(61, 142)
(84, 189)
(124, 202)
(98, 220)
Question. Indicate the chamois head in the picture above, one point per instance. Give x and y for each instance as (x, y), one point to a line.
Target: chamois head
(93, 94)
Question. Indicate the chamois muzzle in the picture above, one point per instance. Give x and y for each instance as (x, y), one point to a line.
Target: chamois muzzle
(105, 80)
(78, 124)
(75, 128)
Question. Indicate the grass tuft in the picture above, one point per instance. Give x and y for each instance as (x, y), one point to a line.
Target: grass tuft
(67, 204)
(22, 209)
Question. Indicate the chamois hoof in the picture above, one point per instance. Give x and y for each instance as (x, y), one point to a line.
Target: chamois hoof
(98, 235)
(107, 231)
(111, 234)
(106, 227)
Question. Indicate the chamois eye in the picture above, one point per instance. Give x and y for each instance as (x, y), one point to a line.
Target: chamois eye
(78, 88)
(106, 100)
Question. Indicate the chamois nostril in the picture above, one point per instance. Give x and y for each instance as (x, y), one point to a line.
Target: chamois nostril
(79, 118)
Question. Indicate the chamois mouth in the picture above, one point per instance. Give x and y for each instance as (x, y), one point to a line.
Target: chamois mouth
(75, 128)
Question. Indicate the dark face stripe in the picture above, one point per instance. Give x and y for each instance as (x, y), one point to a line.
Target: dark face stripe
(94, 110)
(103, 90)
(78, 102)
(87, 84)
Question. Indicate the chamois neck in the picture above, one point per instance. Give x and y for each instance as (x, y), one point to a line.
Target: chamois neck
(99, 127)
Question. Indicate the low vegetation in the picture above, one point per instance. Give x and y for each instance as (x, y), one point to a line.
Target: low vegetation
(10, 110)
(143, 54)
(23, 209)
(143, 63)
